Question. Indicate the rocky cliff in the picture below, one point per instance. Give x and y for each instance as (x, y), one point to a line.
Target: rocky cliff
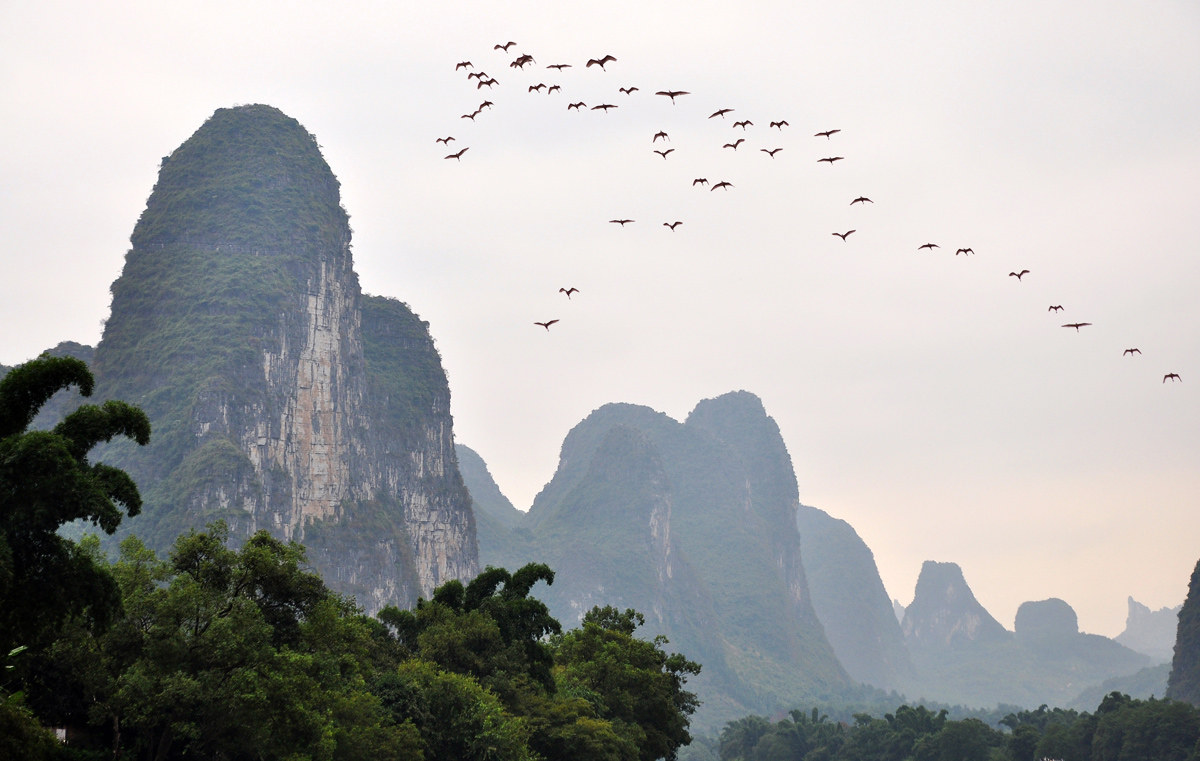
(849, 597)
(1184, 681)
(281, 398)
(1150, 631)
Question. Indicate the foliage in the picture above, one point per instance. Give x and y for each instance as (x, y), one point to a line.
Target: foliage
(1184, 681)
(46, 481)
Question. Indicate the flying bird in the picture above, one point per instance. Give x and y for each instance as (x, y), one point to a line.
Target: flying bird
(1173, 376)
(699, 181)
(599, 62)
(559, 66)
(536, 88)
(552, 88)
(1077, 325)
(744, 124)
(504, 47)
(577, 106)
(721, 113)
(546, 325)
(672, 94)
(627, 90)
(771, 153)
(568, 291)
(861, 199)
(621, 222)
(1131, 351)
(486, 104)
(827, 133)
(929, 246)
(779, 125)
(520, 62)
(1055, 308)
(445, 140)
(489, 82)
(844, 235)
(721, 184)
(470, 116)
(966, 251)
(1019, 275)
(604, 107)
(831, 159)
(672, 225)
(462, 65)
(458, 156)
(475, 75)
(664, 153)
(657, 135)
(735, 144)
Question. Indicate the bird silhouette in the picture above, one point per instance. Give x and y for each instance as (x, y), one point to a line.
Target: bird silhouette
(505, 46)
(603, 107)
(672, 225)
(1019, 275)
(861, 199)
(445, 140)
(621, 222)
(559, 66)
(779, 125)
(929, 246)
(1077, 325)
(577, 106)
(664, 153)
(1055, 308)
(486, 104)
(966, 251)
(1173, 376)
(470, 116)
(521, 62)
(827, 133)
(546, 324)
(475, 75)
(744, 124)
(462, 65)
(845, 234)
(672, 94)
(458, 156)
(552, 88)
(627, 90)
(536, 88)
(599, 62)
(721, 184)
(735, 144)
(657, 135)
(831, 159)
(489, 82)
(772, 152)
(1131, 351)
(721, 113)
(699, 181)
(568, 291)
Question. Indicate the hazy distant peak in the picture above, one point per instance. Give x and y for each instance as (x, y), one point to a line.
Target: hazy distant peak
(485, 492)
(944, 611)
(898, 609)
(1150, 631)
(1052, 618)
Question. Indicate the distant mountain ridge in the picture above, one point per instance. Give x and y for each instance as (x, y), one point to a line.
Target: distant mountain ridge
(1151, 632)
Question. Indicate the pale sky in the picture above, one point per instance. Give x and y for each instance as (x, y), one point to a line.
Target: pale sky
(928, 399)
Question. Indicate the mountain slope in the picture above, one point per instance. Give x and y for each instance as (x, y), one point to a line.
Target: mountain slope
(280, 397)
(1150, 631)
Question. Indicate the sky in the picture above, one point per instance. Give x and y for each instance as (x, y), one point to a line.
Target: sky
(928, 398)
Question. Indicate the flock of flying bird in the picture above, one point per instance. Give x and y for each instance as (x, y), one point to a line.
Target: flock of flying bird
(482, 79)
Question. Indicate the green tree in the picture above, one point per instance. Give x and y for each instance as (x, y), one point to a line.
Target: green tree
(1126, 728)
(47, 481)
(637, 685)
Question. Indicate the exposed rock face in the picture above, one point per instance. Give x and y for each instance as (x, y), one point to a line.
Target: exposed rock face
(945, 613)
(1150, 631)
(1051, 619)
(281, 398)
(849, 598)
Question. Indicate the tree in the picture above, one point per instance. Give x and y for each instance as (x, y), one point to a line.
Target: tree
(47, 481)
(637, 686)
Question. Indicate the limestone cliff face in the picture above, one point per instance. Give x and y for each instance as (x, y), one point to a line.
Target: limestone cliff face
(281, 397)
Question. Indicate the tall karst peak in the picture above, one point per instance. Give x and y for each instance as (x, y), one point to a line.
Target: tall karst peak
(281, 397)
(944, 611)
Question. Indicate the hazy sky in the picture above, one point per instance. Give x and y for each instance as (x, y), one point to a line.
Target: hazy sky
(929, 399)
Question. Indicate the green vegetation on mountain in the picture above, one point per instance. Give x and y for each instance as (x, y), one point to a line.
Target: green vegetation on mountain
(694, 524)
(1184, 682)
(849, 598)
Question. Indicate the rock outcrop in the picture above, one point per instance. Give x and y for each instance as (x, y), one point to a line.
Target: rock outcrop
(945, 614)
(1151, 632)
(281, 398)
(1184, 681)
